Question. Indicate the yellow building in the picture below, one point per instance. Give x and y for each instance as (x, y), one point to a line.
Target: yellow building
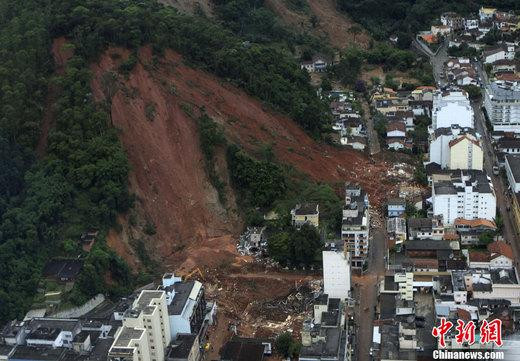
(516, 211)
(466, 153)
(308, 213)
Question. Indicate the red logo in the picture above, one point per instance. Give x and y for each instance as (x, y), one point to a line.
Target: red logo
(440, 331)
(465, 332)
(489, 332)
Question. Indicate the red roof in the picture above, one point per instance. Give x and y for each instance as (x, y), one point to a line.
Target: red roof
(501, 248)
(463, 314)
(458, 140)
(396, 126)
(479, 256)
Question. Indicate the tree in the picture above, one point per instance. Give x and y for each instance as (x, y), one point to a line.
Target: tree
(347, 71)
(473, 91)
(403, 40)
(286, 346)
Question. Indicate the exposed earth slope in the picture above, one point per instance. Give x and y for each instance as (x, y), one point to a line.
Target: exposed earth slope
(168, 174)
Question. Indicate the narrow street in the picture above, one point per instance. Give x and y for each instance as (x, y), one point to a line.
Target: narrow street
(366, 294)
(373, 140)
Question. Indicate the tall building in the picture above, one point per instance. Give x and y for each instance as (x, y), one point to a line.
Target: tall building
(146, 330)
(502, 103)
(355, 225)
(465, 194)
(186, 305)
(452, 108)
(336, 274)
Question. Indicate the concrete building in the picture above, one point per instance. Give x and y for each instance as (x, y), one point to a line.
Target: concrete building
(502, 103)
(336, 274)
(452, 108)
(186, 305)
(426, 228)
(396, 207)
(145, 333)
(463, 194)
(324, 337)
(513, 172)
(355, 226)
(456, 148)
(308, 213)
(396, 229)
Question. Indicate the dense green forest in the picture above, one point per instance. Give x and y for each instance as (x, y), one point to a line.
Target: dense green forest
(81, 181)
(385, 17)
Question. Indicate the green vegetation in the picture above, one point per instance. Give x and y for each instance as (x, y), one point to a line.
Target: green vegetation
(210, 137)
(474, 91)
(388, 57)
(296, 247)
(386, 17)
(286, 345)
(259, 182)
(464, 50)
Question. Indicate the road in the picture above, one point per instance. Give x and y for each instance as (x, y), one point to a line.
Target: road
(366, 294)
(503, 198)
(437, 63)
(373, 139)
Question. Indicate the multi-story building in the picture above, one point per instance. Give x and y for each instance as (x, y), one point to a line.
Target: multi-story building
(355, 226)
(145, 333)
(452, 108)
(502, 103)
(463, 194)
(456, 148)
(324, 336)
(186, 305)
(336, 274)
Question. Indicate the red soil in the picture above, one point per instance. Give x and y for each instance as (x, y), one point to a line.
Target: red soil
(168, 173)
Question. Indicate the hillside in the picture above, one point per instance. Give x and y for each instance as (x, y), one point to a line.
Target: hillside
(166, 161)
(337, 28)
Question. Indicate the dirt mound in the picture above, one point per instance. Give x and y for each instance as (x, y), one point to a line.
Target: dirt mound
(332, 24)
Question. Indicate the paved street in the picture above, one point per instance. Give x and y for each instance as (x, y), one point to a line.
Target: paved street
(437, 62)
(366, 294)
(503, 199)
(373, 139)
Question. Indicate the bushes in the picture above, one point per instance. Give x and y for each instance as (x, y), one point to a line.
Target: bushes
(260, 183)
(296, 247)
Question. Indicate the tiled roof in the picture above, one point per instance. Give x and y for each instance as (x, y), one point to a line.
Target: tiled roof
(501, 248)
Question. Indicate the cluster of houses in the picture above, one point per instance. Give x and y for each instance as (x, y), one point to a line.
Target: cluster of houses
(471, 29)
(400, 109)
(164, 322)
(347, 120)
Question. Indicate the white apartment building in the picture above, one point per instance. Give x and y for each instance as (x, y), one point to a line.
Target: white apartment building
(502, 103)
(456, 148)
(452, 108)
(336, 274)
(355, 226)
(463, 194)
(145, 333)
